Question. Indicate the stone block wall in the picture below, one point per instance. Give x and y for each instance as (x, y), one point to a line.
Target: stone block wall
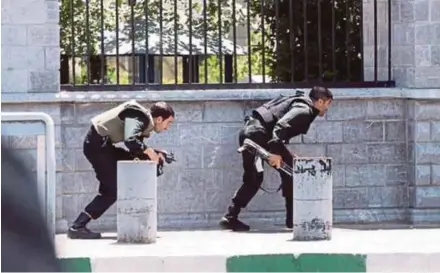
(30, 46)
(416, 43)
(367, 140)
(386, 156)
(424, 157)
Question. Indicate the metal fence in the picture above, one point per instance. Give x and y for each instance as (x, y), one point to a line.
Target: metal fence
(211, 44)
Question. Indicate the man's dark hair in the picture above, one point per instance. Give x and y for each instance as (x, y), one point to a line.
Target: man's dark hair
(161, 109)
(319, 92)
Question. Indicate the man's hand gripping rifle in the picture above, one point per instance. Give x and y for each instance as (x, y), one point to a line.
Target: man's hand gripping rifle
(168, 156)
(253, 147)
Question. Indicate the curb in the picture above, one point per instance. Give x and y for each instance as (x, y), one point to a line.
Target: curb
(75, 264)
(297, 263)
(398, 262)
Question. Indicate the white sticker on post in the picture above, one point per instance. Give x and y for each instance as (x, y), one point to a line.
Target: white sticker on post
(259, 165)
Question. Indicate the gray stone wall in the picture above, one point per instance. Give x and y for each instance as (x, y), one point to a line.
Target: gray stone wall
(369, 144)
(386, 161)
(424, 157)
(30, 46)
(416, 43)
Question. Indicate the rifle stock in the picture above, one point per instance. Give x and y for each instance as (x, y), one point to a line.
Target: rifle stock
(251, 146)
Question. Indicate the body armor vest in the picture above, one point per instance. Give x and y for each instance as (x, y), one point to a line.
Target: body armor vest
(276, 108)
(109, 124)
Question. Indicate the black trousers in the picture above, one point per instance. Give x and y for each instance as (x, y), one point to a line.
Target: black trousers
(252, 179)
(104, 158)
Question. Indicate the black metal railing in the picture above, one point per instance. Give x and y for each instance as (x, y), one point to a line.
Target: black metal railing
(205, 44)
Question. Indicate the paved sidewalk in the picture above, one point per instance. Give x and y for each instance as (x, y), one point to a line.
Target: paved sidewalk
(265, 250)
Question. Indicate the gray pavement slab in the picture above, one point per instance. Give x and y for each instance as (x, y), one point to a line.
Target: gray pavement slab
(227, 243)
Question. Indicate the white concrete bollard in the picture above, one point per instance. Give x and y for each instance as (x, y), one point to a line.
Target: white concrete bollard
(312, 199)
(137, 202)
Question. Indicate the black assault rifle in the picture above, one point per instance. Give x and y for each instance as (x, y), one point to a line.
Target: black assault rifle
(254, 148)
(168, 156)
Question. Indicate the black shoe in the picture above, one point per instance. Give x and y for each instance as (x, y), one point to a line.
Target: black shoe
(233, 224)
(82, 233)
(289, 222)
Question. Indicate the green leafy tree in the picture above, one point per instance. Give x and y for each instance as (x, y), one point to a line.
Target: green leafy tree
(182, 29)
(81, 35)
(326, 47)
(256, 62)
(81, 22)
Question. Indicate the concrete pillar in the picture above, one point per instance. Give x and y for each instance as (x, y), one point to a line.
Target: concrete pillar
(137, 202)
(312, 199)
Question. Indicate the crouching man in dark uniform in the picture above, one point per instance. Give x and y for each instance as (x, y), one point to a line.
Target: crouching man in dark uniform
(271, 125)
(127, 124)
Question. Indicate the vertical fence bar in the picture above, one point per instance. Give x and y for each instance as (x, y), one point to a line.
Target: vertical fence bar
(277, 37)
(133, 49)
(361, 29)
(103, 74)
(88, 41)
(220, 39)
(306, 57)
(248, 19)
(375, 39)
(334, 41)
(347, 37)
(161, 41)
(190, 72)
(234, 37)
(117, 41)
(263, 56)
(205, 40)
(319, 42)
(389, 40)
(72, 25)
(147, 55)
(292, 42)
(176, 66)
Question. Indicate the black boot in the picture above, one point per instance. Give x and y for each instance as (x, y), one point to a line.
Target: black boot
(230, 220)
(79, 230)
(289, 212)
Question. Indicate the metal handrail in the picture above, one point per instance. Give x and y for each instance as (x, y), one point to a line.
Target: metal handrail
(50, 169)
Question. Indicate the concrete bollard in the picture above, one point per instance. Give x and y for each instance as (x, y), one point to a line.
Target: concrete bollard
(312, 199)
(137, 202)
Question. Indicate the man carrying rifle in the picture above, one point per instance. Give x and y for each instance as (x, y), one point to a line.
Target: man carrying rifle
(270, 126)
(127, 125)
